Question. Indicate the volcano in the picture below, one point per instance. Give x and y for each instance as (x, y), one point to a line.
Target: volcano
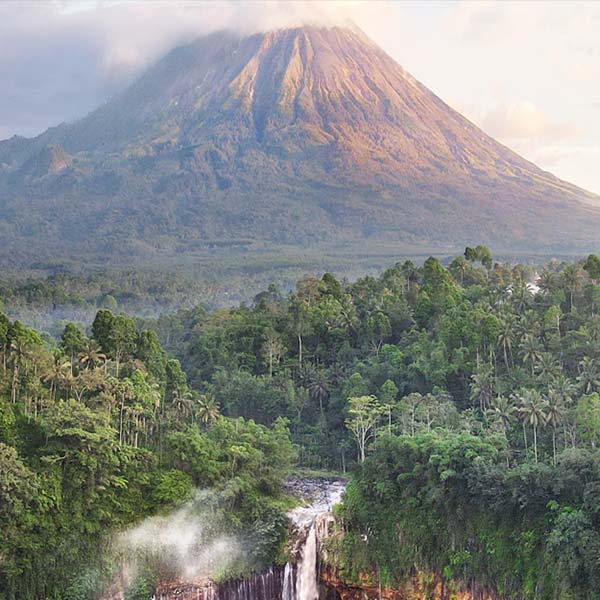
(296, 137)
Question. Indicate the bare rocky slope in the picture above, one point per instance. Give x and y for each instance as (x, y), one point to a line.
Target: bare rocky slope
(294, 137)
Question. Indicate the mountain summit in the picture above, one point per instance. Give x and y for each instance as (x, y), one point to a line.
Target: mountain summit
(297, 136)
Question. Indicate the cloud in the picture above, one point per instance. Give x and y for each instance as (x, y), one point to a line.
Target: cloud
(524, 120)
(486, 23)
(60, 60)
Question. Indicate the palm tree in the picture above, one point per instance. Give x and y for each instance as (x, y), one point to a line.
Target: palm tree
(318, 387)
(503, 411)
(19, 353)
(521, 297)
(555, 416)
(182, 403)
(306, 374)
(92, 355)
(461, 266)
(564, 389)
(532, 412)
(530, 350)
(546, 281)
(133, 412)
(155, 397)
(482, 385)
(108, 399)
(572, 277)
(207, 409)
(506, 337)
(546, 368)
(68, 380)
(300, 324)
(125, 391)
(55, 374)
(589, 374)
(529, 324)
(593, 327)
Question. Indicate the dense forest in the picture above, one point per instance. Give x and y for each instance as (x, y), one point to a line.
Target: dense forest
(464, 400)
(49, 294)
(98, 432)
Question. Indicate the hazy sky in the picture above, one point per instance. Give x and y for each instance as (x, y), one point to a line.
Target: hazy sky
(527, 72)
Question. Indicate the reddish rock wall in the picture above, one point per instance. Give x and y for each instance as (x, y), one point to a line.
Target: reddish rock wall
(419, 587)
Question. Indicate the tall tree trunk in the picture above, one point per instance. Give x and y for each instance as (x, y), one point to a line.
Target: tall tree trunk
(362, 444)
(13, 385)
(571, 296)
(121, 420)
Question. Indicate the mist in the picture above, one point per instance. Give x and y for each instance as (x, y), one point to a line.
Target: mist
(191, 543)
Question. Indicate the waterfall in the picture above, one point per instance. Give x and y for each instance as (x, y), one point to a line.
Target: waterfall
(299, 579)
(289, 583)
(307, 584)
(267, 585)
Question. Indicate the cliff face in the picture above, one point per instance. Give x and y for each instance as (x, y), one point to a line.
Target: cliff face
(269, 585)
(419, 587)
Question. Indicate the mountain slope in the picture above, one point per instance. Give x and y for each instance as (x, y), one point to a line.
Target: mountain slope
(299, 136)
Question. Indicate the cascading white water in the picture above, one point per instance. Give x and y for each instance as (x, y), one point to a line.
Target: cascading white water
(306, 581)
(288, 591)
(302, 581)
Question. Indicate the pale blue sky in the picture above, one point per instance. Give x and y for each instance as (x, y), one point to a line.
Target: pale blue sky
(527, 72)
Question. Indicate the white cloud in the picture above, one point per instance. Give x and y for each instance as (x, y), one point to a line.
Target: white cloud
(524, 120)
(59, 60)
(577, 163)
